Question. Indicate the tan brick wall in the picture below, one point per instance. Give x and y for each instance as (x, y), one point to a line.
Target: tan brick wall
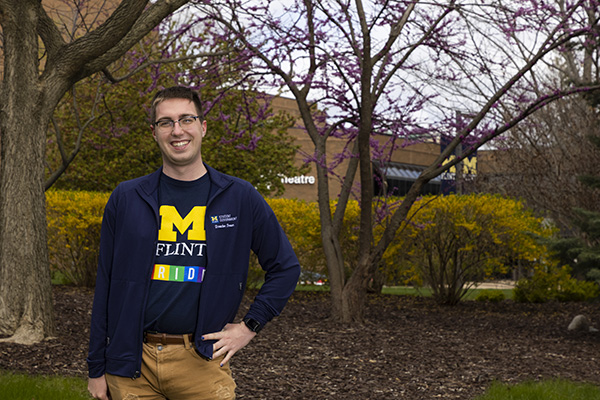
(422, 154)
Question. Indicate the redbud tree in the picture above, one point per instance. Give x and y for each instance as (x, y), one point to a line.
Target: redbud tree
(404, 69)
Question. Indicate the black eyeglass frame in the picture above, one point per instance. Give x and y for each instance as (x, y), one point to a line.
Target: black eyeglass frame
(171, 123)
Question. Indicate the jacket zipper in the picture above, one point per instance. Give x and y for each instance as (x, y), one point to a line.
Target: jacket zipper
(140, 333)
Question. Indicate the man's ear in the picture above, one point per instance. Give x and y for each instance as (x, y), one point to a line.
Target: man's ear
(203, 128)
(153, 132)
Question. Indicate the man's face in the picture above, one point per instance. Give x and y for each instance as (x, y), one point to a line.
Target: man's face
(180, 145)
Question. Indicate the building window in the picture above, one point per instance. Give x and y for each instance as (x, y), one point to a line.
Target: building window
(396, 180)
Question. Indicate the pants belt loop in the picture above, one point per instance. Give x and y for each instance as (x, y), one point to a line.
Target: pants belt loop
(187, 341)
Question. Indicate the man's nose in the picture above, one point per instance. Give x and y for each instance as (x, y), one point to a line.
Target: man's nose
(176, 128)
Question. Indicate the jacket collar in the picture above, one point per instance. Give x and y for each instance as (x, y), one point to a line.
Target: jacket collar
(149, 184)
(219, 179)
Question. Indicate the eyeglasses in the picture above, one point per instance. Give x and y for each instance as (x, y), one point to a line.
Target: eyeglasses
(169, 124)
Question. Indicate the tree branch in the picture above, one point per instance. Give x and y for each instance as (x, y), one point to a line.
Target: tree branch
(49, 33)
(143, 25)
(149, 63)
(68, 159)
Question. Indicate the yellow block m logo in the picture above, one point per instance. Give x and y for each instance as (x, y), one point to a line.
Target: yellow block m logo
(170, 219)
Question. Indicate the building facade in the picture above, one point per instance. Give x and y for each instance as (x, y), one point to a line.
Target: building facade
(394, 176)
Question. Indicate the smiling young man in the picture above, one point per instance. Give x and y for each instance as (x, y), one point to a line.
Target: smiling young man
(173, 264)
(180, 140)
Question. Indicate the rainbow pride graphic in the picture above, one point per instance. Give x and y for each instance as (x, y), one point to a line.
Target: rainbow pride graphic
(177, 273)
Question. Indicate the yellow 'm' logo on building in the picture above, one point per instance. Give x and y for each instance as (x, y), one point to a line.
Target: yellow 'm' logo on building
(171, 220)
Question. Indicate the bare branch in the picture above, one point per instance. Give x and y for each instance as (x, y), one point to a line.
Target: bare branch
(68, 159)
(49, 33)
(149, 63)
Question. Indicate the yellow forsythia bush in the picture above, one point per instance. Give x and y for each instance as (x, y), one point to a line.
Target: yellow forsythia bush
(75, 217)
(300, 221)
(488, 233)
(451, 241)
(74, 220)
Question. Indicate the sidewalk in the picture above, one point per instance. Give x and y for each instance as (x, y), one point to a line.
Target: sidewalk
(504, 284)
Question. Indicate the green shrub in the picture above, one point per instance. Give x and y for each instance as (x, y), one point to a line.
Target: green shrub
(554, 284)
(74, 220)
(493, 296)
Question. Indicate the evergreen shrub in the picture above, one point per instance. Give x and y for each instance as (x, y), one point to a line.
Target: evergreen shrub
(492, 296)
(554, 284)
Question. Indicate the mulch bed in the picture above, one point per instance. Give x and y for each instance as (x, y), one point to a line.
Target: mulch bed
(409, 348)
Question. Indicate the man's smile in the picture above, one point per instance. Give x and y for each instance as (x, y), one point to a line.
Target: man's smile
(180, 143)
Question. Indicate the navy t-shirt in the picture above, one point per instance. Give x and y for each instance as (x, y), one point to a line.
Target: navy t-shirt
(180, 256)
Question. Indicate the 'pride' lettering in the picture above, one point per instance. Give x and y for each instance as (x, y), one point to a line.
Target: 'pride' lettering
(178, 273)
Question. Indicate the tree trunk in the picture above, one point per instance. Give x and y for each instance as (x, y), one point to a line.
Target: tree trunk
(330, 240)
(26, 312)
(347, 298)
(335, 267)
(354, 296)
(28, 96)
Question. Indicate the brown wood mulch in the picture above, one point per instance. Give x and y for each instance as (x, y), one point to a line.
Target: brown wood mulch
(410, 348)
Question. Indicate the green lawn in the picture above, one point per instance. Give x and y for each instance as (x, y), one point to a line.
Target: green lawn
(411, 291)
(546, 390)
(26, 387)
(312, 288)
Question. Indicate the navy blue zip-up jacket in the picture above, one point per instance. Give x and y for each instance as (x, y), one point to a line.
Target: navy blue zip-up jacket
(237, 221)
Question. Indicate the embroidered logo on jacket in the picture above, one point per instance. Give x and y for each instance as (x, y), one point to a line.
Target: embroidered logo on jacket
(223, 221)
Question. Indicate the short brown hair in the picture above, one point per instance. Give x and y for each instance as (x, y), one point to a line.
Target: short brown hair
(175, 92)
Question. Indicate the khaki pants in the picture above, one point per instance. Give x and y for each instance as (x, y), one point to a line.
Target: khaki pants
(174, 372)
